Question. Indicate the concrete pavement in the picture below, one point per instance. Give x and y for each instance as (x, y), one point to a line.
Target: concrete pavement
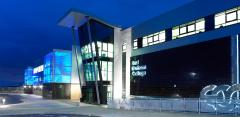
(36, 105)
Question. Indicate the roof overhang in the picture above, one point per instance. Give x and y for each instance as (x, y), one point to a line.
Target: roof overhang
(75, 19)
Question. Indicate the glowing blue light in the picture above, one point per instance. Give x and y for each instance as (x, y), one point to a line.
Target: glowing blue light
(57, 67)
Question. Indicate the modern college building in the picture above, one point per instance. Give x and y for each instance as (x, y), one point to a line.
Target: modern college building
(54, 77)
(178, 54)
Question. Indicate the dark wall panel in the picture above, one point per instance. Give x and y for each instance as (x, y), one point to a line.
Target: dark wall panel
(183, 71)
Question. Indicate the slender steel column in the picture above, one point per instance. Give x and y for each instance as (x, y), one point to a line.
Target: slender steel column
(235, 60)
(94, 69)
(76, 56)
(100, 73)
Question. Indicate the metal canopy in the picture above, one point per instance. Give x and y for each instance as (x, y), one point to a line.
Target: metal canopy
(76, 18)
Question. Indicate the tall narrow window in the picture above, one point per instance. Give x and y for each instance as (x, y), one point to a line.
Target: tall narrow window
(124, 47)
(135, 45)
(145, 41)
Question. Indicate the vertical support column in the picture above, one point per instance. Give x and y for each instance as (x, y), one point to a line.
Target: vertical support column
(77, 69)
(117, 65)
(94, 69)
(128, 37)
(235, 59)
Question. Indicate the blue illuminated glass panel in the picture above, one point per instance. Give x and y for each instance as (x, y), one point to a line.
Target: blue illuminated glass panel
(28, 76)
(57, 68)
(48, 68)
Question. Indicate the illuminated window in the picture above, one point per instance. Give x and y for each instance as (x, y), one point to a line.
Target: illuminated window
(99, 48)
(124, 47)
(106, 68)
(145, 41)
(188, 29)
(228, 17)
(110, 50)
(150, 39)
(135, 45)
(57, 67)
(155, 38)
(104, 50)
(110, 67)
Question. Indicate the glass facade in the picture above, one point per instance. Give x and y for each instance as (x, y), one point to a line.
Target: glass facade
(57, 67)
(228, 17)
(102, 35)
(104, 50)
(28, 76)
(187, 29)
(33, 78)
(106, 67)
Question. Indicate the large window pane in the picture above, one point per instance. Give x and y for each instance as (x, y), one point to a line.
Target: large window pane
(105, 46)
(231, 16)
(220, 19)
(183, 30)
(200, 25)
(110, 47)
(145, 41)
(175, 32)
(162, 36)
(109, 76)
(191, 28)
(155, 37)
(110, 66)
(238, 14)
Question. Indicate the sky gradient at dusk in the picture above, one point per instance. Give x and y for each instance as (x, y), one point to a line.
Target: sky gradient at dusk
(28, 28)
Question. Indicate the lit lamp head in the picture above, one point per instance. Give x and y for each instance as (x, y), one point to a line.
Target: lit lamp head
(193, 75)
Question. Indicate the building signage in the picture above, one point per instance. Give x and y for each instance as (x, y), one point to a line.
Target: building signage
(137, 69)
(38, 69)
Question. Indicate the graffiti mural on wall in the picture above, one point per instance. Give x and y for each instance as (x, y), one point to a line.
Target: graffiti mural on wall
(222, 97)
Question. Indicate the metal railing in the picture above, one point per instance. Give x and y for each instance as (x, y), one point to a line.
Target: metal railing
(198, 105)
(11, 89)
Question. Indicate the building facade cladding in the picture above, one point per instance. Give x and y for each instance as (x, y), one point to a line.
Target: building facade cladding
(193, 45)
(166, 58)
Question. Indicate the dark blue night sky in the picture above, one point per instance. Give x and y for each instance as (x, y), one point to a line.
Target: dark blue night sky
(28, 28)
